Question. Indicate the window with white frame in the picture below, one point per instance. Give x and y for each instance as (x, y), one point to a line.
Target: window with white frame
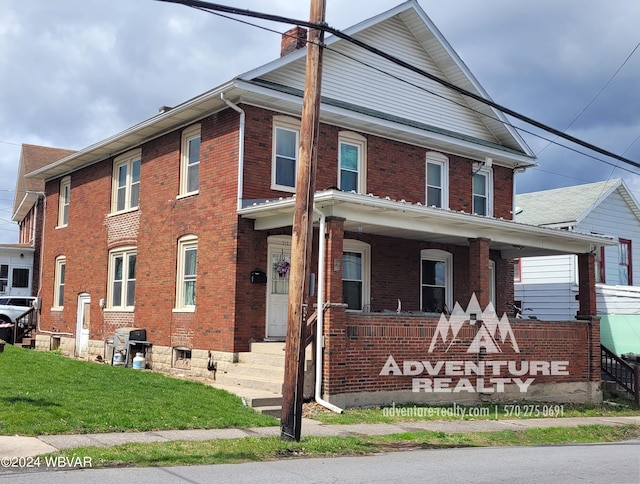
(492, 282)
(4, 277)
(58, 288)
(436, 280)
(190, 161)
(63, 201)
(517, 270)
(482, 191)
(286, 141)
(122, 279)
(187, 271)
(352, 149)
(355, 274)
(624, 263)
(126, 182)
(437, 180)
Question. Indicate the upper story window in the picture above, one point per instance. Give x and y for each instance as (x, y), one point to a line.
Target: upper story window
(4, 277)
(437, 180)
(187, 271)
(352, 149)
(624, 263)
(436, 288)
(58, 285)
(482, 190)
(286, 142)
(63, 201)
(122, 278)
(355, 274)
(126, 182)
(190, 161)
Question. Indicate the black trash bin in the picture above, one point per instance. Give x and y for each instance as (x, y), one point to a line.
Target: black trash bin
(6, 332)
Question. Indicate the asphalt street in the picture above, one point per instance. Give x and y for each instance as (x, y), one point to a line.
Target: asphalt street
(586, 463)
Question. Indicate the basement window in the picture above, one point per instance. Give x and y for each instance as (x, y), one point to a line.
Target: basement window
(182, 358)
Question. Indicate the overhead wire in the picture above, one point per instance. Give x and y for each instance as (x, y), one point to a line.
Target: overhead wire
(323, 26)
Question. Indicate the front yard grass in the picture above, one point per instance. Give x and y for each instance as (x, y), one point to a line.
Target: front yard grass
(46, 393)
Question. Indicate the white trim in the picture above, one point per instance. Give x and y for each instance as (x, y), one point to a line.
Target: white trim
(64, 200)
(124, 252)
(61, 261)
(492, 282)
(435, 158)
(189, 134)
(187, 242)
(285, 123)
(127, 159)
(487, 172)
(360, 142)
(364, 249)
(438, 255)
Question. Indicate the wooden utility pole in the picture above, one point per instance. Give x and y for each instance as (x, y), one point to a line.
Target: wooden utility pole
(302, 236)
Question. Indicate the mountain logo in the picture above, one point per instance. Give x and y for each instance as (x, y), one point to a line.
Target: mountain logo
(492, 332)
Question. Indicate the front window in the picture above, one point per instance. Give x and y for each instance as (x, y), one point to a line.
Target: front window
(20, 277)
(58, 296)
(600, 267)
(351, 161)
(190, 164)
(122, 278)
(187, 271)
(436, 281)
(64, 200)
(286, 141)
(437, 180)
(4, 277)
(482, 188)
(624, 265)
(355, 274)
(126, 182)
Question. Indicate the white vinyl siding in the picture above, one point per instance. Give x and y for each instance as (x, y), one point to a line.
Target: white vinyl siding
(373, 89)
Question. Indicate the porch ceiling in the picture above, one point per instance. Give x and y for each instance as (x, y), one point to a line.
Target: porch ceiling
(392, 218)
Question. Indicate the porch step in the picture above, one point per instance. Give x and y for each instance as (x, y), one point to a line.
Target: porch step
(274, 411)
(28, 343)
(260, 400)
(267, 347)
(250, 382)
(264, 359)
(269, 372)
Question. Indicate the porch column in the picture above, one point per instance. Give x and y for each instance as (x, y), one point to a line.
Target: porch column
(587, 284)
(479, 270)
(335, 332)
(333, 269)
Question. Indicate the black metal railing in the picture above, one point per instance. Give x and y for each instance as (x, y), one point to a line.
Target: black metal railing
(25, 325)
(623, 373)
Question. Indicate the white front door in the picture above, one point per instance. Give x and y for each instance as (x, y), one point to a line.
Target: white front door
(279, 259)
(83, 324)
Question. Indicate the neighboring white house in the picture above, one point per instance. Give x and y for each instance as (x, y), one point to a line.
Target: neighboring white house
(547, 287)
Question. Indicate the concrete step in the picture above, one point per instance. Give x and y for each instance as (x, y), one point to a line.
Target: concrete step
(265, 359)
(254, 398)
(274, 411)
(271, 348)
(28, 343)
(269, 372)
(250, 382)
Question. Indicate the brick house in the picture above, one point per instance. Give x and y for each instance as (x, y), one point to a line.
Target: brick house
(181, 224)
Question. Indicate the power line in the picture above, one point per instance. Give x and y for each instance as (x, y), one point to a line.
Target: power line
(206, 6)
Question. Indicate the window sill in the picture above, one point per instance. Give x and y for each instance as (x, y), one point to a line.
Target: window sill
(61, 226)
(122, 212)
(184, 310)
(119, 310)
(283, 188)
(57, 310)
(187, 195)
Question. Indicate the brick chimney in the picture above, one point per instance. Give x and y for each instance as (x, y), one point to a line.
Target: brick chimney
(292, 40)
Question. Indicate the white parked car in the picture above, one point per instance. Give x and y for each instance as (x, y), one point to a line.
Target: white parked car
(12, 307)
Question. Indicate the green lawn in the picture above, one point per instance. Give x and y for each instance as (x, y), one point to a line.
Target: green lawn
(46, 393)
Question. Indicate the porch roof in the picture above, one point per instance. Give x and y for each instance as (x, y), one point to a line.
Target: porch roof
(398, 218)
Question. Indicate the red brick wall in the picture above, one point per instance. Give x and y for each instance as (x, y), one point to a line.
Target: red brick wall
(360, 344)
(230, 310)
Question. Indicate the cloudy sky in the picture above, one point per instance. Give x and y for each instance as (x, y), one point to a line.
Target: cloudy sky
(75, 72)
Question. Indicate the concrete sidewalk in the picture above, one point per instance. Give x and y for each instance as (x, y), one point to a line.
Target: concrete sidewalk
(19, 446)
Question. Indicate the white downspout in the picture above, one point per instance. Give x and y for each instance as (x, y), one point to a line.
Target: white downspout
(240, 147)
(320, 320)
